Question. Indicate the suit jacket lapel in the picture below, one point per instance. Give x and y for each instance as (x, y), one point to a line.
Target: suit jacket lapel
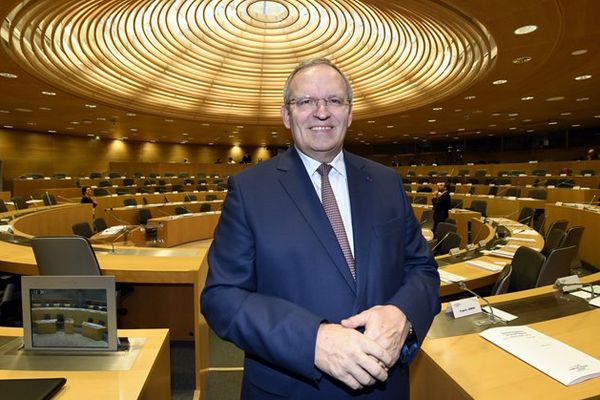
(299, 187)
(360, 187)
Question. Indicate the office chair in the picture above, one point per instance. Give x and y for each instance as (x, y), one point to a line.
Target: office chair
(49, 199)
(553, 241)
(122, 190)
(456, 203)
(558, 224)
(526, 265)
(177, 188)
(3, 207)
(493, 190)
(442, 229)
(420, 200)
(183, 175)
(526, 216)
(503, 281)
(450, 242)
(201, 188)
(513, 192)
(424, 189)
(100, 224)
(128, 182)
(113, 175)
(95, 175)
(205, 207)
(479, 206)
(450, 221)
(211, 197)
(137, 174)
(101, 192)
(144, 215)
(82, 229)
(179, 210)
(573, 238)
(130, 202)
(19, 202)
(105, 184)
(557, 265)
(426, 219)
(539, 194)
(190, 197)
(588, 172)
(65, 255)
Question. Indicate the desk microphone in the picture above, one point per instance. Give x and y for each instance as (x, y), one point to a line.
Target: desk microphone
(464, 287)
(592, 200)
(479, 230)
(440, 242)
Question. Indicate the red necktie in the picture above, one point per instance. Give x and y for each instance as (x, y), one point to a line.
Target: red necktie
(335, 218)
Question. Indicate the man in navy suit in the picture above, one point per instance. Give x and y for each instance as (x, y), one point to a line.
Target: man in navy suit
(324, 307)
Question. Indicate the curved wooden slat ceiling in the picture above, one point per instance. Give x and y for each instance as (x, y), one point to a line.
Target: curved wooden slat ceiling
(212, 66)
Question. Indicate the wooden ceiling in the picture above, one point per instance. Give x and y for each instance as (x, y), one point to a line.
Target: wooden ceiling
(211, 72)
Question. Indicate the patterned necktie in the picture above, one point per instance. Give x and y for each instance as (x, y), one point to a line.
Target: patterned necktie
(335, 219)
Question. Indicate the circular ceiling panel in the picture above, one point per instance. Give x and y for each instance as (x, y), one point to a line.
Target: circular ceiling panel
(227, 60)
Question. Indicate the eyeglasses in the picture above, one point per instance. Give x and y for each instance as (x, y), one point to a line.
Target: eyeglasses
(311, 103)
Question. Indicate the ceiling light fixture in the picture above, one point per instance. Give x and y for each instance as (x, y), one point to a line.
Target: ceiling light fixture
(583, 77)
(8, 75)
(499, 82)
(525, 30)
(522, 60)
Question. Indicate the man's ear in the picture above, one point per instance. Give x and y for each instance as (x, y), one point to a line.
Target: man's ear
(285, 115)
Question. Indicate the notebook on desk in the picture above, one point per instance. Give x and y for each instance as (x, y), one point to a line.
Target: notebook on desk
(31, 389)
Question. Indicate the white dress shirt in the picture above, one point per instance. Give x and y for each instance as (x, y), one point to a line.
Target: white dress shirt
(339, 183)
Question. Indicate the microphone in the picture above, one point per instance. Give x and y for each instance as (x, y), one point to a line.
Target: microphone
(479, 230)
(459, 204)
(464, 287)
(166, 199)
(592, 200)
(440, 242)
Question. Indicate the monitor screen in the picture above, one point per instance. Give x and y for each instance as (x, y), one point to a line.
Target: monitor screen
(69, 312)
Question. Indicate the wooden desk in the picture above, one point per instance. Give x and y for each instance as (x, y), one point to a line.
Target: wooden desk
(130, 214)
(468, 366)
(148, 379)
(461, 216)
(179, 229)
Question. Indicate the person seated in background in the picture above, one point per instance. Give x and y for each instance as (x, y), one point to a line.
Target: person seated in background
(441, 204)
(246, 159)
(231, 161)
(86, 193)
(592, 155)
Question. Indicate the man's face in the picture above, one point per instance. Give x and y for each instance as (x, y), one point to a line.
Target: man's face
(441, 187)
(88, 191)
(319, 131)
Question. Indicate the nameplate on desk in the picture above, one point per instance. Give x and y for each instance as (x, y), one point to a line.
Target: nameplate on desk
(576, 187)
(449, 277)
(463, 307)
(485, 265)
(454, 251)
(472, 246)
(558, 203)
(587, 174)
(554, 358)
(550, 186)
(482, 243)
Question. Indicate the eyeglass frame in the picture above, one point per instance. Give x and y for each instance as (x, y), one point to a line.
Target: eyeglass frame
(314, 102)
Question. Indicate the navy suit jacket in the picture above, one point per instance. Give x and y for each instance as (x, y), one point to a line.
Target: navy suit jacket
(276, 272)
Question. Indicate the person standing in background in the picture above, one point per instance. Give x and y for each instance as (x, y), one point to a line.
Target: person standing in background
(441, 204)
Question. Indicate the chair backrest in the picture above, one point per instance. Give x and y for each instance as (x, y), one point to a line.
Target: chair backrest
(100, 224)
(557, 265)
(503, 281)
(538, 172)
(49, 199)
(19, 202)
(442, 229)
(526, 266)
(122, 191)
(450, 221)
(573, 236)
(144, 215)
(452, 241)
(526, 216)
(420, 200)
(558, 224)
(105, 184)
(539, 194)
(114, 174)
(64, 255)
(502, 173)
(190, 197)
(82, 229)
(179, 210)
(426, 219)
(204, 207)
(101, 192)
(588, 172)
(211, 197)
(513, 192)
(493, 190)
(553, 241)
(128, 181)
(479, 206)
(424, 189)
(137, 174)
(3, 207)
(130, 202)
(177, 188)
(95, 175)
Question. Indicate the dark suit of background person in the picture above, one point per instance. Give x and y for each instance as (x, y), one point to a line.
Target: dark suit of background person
(86, 196)
(278, 280)
(441, 204)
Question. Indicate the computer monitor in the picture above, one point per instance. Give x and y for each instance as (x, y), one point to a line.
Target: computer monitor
(75, 313)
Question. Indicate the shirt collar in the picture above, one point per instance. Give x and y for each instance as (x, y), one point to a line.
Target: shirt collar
(311, 164)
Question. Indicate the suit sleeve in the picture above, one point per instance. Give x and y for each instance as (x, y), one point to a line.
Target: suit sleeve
(273, 329)
(418, 295)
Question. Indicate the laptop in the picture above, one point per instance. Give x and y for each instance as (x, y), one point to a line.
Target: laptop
(31, 389)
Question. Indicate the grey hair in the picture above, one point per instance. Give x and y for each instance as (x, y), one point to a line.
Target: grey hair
(311, 63)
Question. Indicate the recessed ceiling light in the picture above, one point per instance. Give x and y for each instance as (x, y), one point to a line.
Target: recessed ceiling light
(133, 129)
(490, 134)
(370, 122)
(131, 114)
(74, 122)
(48, 93)
(390, 126)
(87, 121)
(596, 116)
(231, 136)
(406, 134)
(7, 126)
(31, 124)
(70, 128)
(240, 126)
(477, 111)
(185, 134)
(100, 119)
(492, 125)
(8, 75)
(582, 77)
(205, 124)
(45, 109)
(512, 128)
(521, 60)
(527, 98)
(395, 142)
(513, 114)
(415, 138)
(576, 125)
(582, 99)
(457, 109)
(91, 105)
(530, 130)
(431, 120)
(4, 112)
(579, 52)
(51, 131)
(526, 29)
(461, 129)
(555, 98)
(496, 114)
(552, 123)
(23, 109)
(90, 134)
(527, 120)
(153, 141)
(437, 108)
(499, 82)
(169, 120)
(274, 133)
(455, 138)
(471, 97)
(432, 132)
(565, 114)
